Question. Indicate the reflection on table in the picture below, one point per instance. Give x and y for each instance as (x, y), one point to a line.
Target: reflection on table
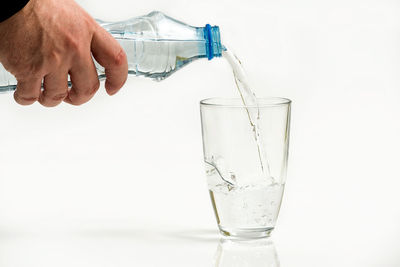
(243, 253)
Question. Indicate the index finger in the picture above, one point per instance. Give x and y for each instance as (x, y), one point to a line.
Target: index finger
(109, 53)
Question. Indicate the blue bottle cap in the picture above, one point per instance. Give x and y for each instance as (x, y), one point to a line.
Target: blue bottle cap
(213, 41)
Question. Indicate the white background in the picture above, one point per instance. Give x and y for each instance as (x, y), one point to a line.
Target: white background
(120, 181)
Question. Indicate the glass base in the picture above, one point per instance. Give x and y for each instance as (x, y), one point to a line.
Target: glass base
(246, 233)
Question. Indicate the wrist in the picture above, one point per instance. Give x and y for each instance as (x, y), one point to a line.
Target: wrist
(17, 19)
(12, 9)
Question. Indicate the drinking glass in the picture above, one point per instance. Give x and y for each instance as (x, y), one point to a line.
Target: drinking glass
(246, 154)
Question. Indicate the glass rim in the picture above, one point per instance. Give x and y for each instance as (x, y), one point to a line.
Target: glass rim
(236, 102)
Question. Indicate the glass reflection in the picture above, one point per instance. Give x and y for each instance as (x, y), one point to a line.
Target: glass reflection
(246, 253)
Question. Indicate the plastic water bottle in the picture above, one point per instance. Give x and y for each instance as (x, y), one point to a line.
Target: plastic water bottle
(156, 46)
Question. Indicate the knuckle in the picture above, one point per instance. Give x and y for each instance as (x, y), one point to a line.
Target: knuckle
(59, 97)
(119, 59)
(53, 97)
(12, 61)
(24, 99)
(89, 22)
(28, 71)
(23, 67)
(75, 99)
(54, 60)
(89, 90)
(72, 44)
(95, 86)
(78, 99)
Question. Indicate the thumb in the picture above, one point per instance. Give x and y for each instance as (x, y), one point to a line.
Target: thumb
(109, 53)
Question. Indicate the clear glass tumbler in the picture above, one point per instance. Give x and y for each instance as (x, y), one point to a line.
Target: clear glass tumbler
(245, 154)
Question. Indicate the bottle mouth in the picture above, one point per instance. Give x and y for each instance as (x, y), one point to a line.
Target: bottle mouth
(212, 36)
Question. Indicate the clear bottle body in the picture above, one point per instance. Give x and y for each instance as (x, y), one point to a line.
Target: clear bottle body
(156, 46)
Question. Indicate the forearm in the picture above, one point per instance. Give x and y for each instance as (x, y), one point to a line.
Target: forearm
(11, 7)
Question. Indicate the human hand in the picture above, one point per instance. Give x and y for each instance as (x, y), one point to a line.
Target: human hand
(49, 39)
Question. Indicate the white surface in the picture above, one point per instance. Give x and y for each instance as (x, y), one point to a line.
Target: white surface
(120, 181)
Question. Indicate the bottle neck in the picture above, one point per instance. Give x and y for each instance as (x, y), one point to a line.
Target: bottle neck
(212, 36)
